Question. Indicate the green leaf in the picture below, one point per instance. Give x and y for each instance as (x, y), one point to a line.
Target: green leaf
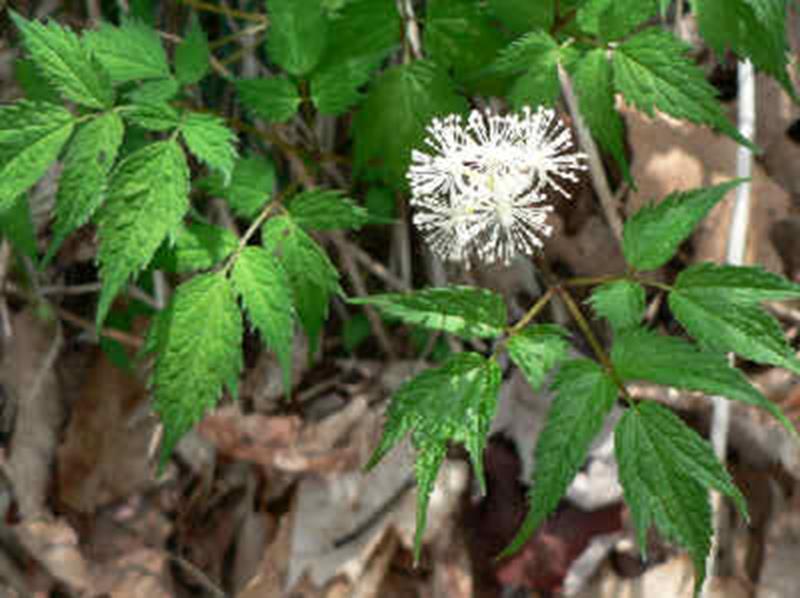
(250, 187)
(538, 349)
(593, 85)
(130, 52)
(454, 402)
(274, 99)
(138, 214)
(31, 137)
(468, 312)
(192, 54)
(154, 91)
(153, 116)
(33, 83)
(265, 290)
(653, 234)
(82, 186)
(723, 324)
(323, 209)
(197, 246)
(652, 70)
(536, 56)
(210, 141)
(393, 118)
(200, 352)
(16, 225)
(584, 396)
(644, 355)
(665, 469)
(364, 28)
(613, 19)
(751, 28)
(739, 283)
(65, 63)
(521, 16)
(621, 302)
(312, 276)
(297, 34)
(453, 25)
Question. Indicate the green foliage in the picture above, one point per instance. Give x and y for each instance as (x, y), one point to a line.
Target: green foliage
(584, 396)
(536, 55)
(665, 469)
(652, 235)
(130, 52)
(152, 116)
(652, 71)
(274, 99)
(16, 225)
(746, 284)
(593, 82)
(643, 355)
(465, 311)
(312, 277)
(521, 16)
(192, 54)
(538, 349)
(197, 246)
(31, 137)
(454, 402)
(154, 91)
(620, 302)
(297, 34)
(250, 186)
(66, 63)
(82, 186)
(137, 214)
(755, 29)
(33, 83)
(613, 19)
(393, 118)
(324, 209)
(262, 283)
(451, 26)
(199, 344)
(210, 141)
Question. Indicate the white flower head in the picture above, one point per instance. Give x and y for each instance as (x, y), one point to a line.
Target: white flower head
(480, 193)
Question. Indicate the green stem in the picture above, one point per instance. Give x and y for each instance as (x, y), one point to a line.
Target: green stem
(248, 234)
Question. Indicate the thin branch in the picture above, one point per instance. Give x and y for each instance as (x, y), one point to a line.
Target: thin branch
(596, 169)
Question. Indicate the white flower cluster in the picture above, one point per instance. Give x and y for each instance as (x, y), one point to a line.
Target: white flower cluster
(480, 193)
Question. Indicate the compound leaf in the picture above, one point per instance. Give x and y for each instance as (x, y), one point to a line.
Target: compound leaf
(31, 137)
(210, 141)
(65, 63)
(312, 277)
(652, 235)
(454, 402)
(393, 118)
(538, 349)
(152, 115)
(264, 287)
(746, 284)
(199, 351)
(130, 52)
(585, 394)
(536, 56)
(613, 19)
(468, 312)
(148, 195)
(643, 355)
(82, 186)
